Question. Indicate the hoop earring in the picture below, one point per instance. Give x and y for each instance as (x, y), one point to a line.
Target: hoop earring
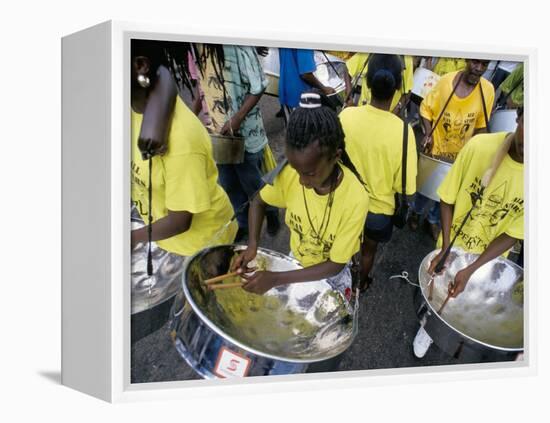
(143, 81)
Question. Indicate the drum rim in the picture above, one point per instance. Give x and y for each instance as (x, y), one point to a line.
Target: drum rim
(212, 326)
(434, 159)
(435, 313)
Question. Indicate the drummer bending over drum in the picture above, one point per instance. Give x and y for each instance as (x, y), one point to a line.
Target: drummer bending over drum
(459, 114)
(187, 205)
(496, 222)
(374, 139)
(326, 204)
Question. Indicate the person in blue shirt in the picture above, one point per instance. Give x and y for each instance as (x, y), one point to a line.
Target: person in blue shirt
(296, 76)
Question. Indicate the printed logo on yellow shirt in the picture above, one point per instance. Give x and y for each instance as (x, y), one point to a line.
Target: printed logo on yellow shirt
(480, 230)
(310, 246)
(456, 130)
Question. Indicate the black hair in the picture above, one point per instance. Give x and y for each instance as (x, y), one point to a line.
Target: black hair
(384, 75)
(171, 54)
(520, 111)
(214, 53)
(314, 121)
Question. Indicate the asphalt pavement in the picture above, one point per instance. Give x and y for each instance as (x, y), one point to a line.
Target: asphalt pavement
(387, 319)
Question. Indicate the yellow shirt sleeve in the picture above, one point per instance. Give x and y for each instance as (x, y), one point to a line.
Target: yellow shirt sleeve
(182, 172)
(275, 195)
(448, 190)
(428, 105)
(354, 62)
(348, 239)
(515, 230)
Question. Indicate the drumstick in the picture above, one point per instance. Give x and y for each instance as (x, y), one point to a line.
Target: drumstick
(221, 277)
(444, 303)
(225, 285)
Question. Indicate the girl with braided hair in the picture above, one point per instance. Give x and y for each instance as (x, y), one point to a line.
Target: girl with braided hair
(326, 203)
(375, 144)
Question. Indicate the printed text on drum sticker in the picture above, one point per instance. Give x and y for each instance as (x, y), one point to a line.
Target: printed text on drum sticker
(231, 364)
(479, 231)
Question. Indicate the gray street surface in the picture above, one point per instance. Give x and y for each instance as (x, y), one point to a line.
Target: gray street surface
(387, 319)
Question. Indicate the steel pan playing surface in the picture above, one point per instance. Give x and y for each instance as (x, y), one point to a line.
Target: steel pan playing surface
(303, 322)
(490, 310)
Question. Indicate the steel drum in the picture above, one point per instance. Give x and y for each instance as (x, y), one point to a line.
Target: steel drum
(485, 322)
(232, 333)
(324, 72)
(271, 66)
(431, 173)
(227, 149)
(503, 121)
(148, 292)
(423, 82)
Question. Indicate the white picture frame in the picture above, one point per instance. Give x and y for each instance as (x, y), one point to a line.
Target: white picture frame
(96, 151)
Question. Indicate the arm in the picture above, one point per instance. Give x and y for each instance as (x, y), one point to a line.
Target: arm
(175, 223)
(446, 211)
(237, 119)
(261, 282)
(349, 87)
(256, 213)
(158, 112)
(497, 247)
(314, 82)
(427, 142)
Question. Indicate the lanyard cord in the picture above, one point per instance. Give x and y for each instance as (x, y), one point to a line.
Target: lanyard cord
(446, 104)
(328, 207)
(485, 115)
(150, 226)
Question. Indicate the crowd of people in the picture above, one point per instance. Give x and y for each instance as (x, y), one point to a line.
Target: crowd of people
(349, 171)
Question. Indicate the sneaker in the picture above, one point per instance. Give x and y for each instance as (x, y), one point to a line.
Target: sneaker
(273, 224)
(421, 343)
(413, 220)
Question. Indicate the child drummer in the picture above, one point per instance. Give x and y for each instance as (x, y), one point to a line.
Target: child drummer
(496, 222)
(326, 204)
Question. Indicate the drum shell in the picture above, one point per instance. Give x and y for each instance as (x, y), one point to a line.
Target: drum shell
(150, 292)
(443, 328)
(227, 150)
(430, 175)
(503, 121)
(201, 347)
(202, 340)
(423, 82)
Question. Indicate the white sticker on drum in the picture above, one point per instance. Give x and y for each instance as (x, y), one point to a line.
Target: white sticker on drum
(231, 364)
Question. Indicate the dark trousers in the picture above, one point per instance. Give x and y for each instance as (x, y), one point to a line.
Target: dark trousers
(241, 181)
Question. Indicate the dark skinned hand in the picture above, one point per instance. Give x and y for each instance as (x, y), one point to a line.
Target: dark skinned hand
(231, 127)
(461, 279)
(260, 282)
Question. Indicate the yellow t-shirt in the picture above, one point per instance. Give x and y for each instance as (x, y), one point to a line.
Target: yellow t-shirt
(502, 204)
(461, 117)
(445, 65)
(345, 218)
(355, 65)
(374, 142)
(184, 179)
